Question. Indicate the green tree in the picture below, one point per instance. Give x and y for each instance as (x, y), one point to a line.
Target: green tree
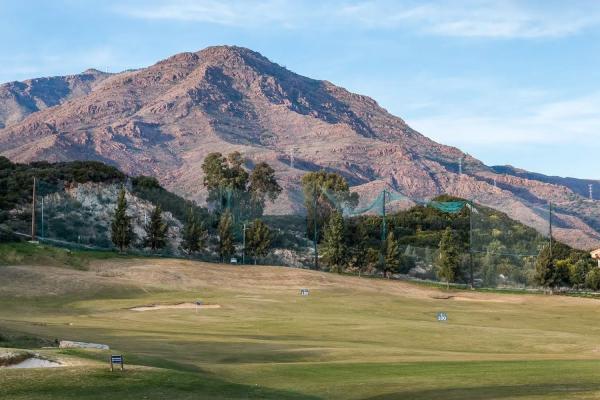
(449, 258)
(578, 272)
(231, 187)
(547, 273)
(258, 239)
(592, 279)
(156, 230)
(225, 230)
(263, 186)
(334, 249)
(358, 250)
(121, 227)
(393, 255)
(225, 179)
(331, 191)
(195, 234)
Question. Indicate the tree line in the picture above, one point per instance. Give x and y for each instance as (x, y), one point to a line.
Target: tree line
(235, 197)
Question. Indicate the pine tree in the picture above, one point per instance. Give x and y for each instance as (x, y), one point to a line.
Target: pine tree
(121, 228)
(334, 249)
(449, 257)
(392, 255)
(225, 229)
(359, 249)
(156, 230)
(546, 271)
(258, 239)
(195, 234)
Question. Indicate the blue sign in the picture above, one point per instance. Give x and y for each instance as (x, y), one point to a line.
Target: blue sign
(116, 359)
(442, 317)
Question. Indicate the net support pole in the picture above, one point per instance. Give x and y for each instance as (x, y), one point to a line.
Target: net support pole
(550, 225)
(33, 211)
(315, 228)
(471, 245)
(383, 232)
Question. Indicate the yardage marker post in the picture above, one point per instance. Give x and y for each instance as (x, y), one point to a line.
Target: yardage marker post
(116, 359)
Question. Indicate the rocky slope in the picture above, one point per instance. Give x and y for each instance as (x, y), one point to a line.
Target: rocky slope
(164, 119)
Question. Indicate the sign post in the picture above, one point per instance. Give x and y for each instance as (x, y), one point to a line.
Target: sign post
(116, 359)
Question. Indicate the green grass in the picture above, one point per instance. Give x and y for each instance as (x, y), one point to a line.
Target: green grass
(25, 253)
(351, 338)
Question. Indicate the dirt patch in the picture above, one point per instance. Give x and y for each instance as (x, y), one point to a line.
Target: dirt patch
(153, 307)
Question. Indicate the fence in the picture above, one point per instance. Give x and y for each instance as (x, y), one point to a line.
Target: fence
(493, 249)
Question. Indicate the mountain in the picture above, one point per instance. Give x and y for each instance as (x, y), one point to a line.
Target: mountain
(164, 119)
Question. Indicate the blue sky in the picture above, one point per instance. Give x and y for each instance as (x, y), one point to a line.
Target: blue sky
(510, 82)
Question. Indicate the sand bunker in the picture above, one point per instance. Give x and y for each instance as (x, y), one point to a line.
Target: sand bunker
(35, 362)
(174, 306)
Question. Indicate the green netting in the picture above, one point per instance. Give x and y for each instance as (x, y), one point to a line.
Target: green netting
(452, 207)
(500, 233)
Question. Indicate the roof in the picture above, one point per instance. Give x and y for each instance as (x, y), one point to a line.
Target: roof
(595, 253)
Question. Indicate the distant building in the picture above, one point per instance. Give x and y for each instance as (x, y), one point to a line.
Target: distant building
(596, 256)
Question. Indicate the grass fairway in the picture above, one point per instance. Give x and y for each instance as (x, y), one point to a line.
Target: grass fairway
(352, 338)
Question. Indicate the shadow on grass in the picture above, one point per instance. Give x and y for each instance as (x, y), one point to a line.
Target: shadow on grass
(91, 384)
(491, 392)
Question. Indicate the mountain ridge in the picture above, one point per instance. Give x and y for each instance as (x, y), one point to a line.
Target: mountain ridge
(164, 119)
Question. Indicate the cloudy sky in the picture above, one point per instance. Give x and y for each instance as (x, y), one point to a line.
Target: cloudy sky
(510, 82)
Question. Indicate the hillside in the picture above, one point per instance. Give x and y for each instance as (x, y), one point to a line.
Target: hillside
(164, 119)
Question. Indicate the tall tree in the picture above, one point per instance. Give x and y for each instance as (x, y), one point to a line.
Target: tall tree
(549, 273)
(121, 228)
(231, 187)
(225, 230)
(334, 249)
(156, 230)
(393, 256)
(195, 234)
(258, 239)
(331, 191)
(449, 259)
(358, 251)
(263, 186)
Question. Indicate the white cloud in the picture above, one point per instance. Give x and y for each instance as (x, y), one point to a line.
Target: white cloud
(250, 13)
(572, 121)
(459, 18)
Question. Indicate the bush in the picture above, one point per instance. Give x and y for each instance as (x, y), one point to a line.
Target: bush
(592, 279)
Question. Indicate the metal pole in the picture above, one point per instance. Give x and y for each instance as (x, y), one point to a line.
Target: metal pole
(244, 245)
(42, 217)
(471, 244)
(383, 233)
(550, 225)
(315, 227)
(33, 212)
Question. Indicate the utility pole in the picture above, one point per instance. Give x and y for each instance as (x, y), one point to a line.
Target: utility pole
(460, 166)
(33, 212)
(590, 187)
